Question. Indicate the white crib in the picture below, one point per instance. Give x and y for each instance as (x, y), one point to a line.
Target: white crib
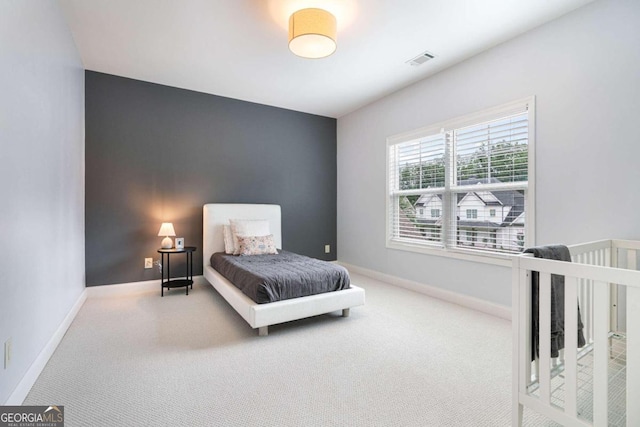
(598, 385)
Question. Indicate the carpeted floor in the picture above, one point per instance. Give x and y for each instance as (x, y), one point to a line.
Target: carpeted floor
(403, 359)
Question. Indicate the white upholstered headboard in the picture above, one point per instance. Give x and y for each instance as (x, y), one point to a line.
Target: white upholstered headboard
(215, 215)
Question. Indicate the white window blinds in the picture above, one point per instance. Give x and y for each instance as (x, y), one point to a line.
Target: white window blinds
(495, 150)
(472, 173)
(417, 181)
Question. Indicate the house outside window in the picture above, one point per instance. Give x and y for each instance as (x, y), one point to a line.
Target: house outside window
(462, 171)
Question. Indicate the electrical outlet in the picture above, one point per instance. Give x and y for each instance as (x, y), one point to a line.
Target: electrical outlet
(148, 263)
(7, 353)
(327, 249)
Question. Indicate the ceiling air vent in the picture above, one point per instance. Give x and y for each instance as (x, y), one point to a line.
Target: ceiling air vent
(420, 59)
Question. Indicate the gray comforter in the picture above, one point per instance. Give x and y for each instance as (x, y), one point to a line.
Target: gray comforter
(269, 278)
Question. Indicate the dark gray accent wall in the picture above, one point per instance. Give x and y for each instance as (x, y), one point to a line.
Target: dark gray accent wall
(157, 154)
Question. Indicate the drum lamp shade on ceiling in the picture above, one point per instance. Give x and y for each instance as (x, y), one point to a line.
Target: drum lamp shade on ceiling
(312, 33)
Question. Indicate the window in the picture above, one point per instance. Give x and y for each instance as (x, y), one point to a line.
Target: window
(457, 170)
(421, 211)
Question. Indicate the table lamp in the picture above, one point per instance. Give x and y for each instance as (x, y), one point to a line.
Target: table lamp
(166, 229)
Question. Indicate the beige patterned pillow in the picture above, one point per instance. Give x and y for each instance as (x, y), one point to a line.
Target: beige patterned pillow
(257, 245)
(247, 227)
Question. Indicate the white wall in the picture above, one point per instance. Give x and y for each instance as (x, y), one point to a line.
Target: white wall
(584, 69)
(41, 179)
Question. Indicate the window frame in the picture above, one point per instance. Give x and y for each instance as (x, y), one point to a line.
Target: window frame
(457, 252)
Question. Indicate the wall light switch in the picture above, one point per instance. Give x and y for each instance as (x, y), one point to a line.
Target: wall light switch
(327, 249)
(148, 263)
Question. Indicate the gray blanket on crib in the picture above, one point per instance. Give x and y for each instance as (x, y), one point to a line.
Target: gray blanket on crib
(558, 253)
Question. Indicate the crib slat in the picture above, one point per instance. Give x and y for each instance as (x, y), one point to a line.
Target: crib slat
(582, 290)
(586, 307)
(600, 353)
(525, 330)
(571, 345)
(590, 261)
(582, 294)
(519, 324)
(633, 354)
(544, 375)
(613, 316)
(631, 259)
(590, 307)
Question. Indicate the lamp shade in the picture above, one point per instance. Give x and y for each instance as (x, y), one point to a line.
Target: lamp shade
(166, 229)
(312, 33)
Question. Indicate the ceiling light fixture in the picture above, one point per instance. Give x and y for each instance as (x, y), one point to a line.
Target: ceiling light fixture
(312, 33)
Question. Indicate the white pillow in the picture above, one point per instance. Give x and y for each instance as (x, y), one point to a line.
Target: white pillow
(229, 248)
(247, 227)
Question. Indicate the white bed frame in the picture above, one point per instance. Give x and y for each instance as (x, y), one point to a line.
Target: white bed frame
(260, 316)
(599, 269)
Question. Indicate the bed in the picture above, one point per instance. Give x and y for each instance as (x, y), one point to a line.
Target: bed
(261, 316)
(594, 385)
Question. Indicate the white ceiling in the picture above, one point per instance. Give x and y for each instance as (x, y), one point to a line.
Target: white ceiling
(238, 48)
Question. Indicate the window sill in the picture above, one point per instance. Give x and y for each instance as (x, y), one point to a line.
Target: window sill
(503, 260)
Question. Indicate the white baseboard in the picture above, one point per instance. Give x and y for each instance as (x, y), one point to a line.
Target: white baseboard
(478, 304)
(20, 393)
(131, 287)
(24, 386)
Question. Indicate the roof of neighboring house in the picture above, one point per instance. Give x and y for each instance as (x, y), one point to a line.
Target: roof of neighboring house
(506, 198)
(486, 200)
(514, 213)
(424, 199)
(510, 198)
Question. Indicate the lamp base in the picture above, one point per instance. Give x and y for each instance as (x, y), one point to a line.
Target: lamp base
(167, 243)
